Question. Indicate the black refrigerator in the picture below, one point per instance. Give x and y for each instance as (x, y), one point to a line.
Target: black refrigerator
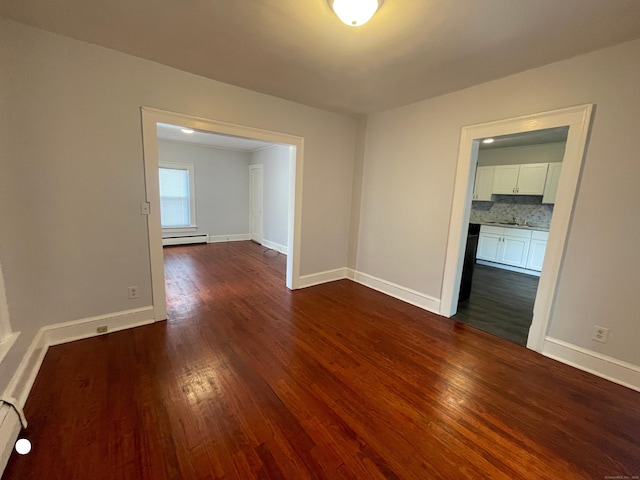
(469, 261)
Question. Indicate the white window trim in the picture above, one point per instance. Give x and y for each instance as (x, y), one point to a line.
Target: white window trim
(192, 196)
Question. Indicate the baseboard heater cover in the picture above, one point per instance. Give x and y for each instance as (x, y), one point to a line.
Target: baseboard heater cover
(185, 239)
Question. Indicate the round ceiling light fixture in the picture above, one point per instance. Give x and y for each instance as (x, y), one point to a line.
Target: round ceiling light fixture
(488, 140)
(355, 12)
(188, 131)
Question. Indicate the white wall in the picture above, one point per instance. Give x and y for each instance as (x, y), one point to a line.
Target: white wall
(409, 169)
(275, 192)
(72, 174)
(546, 153)
(221, 185)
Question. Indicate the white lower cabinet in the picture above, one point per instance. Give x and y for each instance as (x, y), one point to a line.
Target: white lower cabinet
(512, 246)
(537, 250)
(515, 249)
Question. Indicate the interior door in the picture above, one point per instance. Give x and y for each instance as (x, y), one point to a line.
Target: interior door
(256, 202)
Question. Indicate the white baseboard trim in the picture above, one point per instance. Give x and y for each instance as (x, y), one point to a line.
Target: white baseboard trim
(229, 238)
(86, 327)
(321, 277)
(20, 385)
(617, 371)
(10, 427)
(533, 273)
(405, 294)
(275, 246)
(22, 381)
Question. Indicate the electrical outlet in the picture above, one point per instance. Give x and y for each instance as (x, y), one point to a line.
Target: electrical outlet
(133, 292)
(102, 329)
(600, 334)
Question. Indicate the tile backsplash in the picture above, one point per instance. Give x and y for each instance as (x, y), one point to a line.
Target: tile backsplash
(505, 208)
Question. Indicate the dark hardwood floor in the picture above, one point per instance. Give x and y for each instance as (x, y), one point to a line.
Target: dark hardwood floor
(249, 380)
(501, 303)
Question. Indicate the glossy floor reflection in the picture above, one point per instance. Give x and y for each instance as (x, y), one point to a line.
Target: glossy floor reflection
(248, 380)
(501, 303)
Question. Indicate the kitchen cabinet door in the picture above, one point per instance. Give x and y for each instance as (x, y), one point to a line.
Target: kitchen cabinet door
(551, 185)
(505, 179)
(514, 251)
(527, 179)
(536, 254)
(537, 250)
(483, 187)
(488, 246)
(531, 179)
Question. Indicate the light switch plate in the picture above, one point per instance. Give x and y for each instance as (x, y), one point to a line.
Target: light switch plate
(145, 208)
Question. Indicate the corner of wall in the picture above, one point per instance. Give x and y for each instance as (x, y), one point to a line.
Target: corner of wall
(25, 375)
(356, 192)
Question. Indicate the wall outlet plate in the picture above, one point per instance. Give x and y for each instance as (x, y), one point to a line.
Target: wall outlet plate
(133, 292)
(102, 329)
(600, 334)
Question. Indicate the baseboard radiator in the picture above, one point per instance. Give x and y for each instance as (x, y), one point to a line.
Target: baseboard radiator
(185, 239)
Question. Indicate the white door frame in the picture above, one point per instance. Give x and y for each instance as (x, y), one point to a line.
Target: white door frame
(578, 120)
(257, 166)
(150, 118)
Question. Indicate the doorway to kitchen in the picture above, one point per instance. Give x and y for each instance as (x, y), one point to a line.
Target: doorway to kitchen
(577, 120)
(514, 192)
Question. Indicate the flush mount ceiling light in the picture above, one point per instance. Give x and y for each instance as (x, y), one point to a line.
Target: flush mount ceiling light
(355, 12)
(187, 130)
(488, 140)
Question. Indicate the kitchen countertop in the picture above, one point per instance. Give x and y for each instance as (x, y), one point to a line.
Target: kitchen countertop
(508, 225)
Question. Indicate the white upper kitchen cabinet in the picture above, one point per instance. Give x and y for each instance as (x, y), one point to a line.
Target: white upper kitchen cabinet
(505, 179)
(483, 187)
(551, 185)
(526, 179)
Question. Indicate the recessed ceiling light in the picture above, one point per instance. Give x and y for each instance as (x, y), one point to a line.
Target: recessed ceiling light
(187, 130)
(488, 140)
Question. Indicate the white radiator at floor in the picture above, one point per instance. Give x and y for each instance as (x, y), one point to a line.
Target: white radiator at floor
(185, 239)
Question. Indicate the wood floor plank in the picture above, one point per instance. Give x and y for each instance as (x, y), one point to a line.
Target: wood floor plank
(501, 303)
(250, 380)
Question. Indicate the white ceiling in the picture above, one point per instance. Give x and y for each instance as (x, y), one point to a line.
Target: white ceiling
(299, 50)
(175, 133)
(536, 137)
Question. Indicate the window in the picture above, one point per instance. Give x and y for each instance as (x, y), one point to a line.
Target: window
(177, 196)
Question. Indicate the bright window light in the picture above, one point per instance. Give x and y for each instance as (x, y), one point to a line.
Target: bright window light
(177, 203)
